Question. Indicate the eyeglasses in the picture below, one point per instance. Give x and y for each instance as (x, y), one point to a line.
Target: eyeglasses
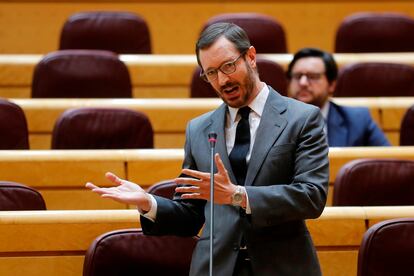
(311, 77)
(226, 68)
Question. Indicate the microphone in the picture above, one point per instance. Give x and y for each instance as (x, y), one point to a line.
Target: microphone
(212, 138)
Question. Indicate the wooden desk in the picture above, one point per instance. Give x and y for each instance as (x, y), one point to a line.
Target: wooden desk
(61, 175)
(156, 76)
(169, 117)
(48, 243)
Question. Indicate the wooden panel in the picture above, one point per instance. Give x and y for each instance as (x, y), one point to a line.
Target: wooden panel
(42, 265)
(338, 262)
(305, 22)
(56, 168)
(77, 199)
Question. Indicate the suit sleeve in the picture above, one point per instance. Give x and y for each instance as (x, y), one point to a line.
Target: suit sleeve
(305, 195)
(177, 217)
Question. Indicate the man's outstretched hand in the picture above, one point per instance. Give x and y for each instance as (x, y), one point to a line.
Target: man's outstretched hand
(124, 192)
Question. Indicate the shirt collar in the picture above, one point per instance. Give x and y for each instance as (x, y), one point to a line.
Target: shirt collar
(257, 105)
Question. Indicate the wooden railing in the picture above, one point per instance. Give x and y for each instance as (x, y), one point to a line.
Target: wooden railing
(169, 117)
(157, 76)
(61, 175)
(49, 243)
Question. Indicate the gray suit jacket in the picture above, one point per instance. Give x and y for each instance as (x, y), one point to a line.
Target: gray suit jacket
(286, 182)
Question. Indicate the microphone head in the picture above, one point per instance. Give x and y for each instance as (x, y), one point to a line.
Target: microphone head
(212, 138)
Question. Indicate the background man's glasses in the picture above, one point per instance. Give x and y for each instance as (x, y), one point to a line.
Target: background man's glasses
(311, 77)
(226, 68)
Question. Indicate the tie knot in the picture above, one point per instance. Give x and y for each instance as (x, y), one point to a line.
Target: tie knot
(244, 112)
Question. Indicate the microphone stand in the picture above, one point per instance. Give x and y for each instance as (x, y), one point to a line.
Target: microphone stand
(212, 138)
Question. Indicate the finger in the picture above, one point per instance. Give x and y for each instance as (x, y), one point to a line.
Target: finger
(188, 189)
(91, 186)
(113, 178)
(194, 173)
(191, 196)
(188, 181)
(220, 166)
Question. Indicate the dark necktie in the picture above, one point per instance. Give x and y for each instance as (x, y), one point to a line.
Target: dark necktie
(241, 146)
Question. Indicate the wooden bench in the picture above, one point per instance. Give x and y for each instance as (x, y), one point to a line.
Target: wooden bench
(156, 76)
(46, 243)
(61, 175)
(169, 117)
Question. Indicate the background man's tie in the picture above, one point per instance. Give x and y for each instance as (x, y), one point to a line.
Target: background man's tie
(241, 146)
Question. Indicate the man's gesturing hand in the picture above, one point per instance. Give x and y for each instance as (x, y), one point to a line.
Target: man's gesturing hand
(125, 192)
(199, 188)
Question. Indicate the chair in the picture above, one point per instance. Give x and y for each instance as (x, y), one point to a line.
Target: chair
(13, 127)
(164, 188)
(81, 74)
(265, 33)
(375, 182)
(375, 32)
(407, 128)
(270, 72)
(387, 249)
(18, 197)
(102, 128)
(120, 32)
(375, 79)
(129, 252)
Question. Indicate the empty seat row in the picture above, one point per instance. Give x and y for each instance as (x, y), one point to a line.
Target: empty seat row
(128, 33)
(81, 128)
(101, 74)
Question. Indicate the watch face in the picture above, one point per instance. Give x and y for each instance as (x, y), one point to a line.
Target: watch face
(238, 197)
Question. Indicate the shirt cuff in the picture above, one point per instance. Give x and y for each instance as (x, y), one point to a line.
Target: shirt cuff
(248, 210)
(152, 213)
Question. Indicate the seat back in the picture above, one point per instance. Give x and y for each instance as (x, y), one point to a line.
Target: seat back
(19, 197)
(81, 74)
(131, 253)
(13, 127)
(164, 188)
(375, 79)
(120, 32)
(387, 249)
(270, 72)
(375, 32)
(407, 128)
(102, 128)
(265, 33)
(375, 182)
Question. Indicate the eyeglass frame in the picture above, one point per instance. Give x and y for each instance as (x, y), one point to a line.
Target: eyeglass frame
(232, 63)
(310, 77)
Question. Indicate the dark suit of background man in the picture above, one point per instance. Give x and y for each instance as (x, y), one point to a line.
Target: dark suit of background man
(312, 74)
(260, 211)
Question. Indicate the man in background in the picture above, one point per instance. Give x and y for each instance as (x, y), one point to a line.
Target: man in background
(312, 77)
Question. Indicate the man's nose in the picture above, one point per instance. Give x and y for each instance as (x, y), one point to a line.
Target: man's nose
(303, 80)
(222, 78)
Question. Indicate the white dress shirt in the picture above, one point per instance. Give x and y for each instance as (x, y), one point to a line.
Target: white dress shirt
(232, 119)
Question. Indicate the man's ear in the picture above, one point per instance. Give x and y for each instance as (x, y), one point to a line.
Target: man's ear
(251, 56)
(331, 88)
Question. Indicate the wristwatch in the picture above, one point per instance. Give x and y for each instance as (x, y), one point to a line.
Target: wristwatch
(237, 196)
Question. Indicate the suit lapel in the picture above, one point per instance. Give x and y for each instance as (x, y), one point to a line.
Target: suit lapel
(271, 126)
(218, 119)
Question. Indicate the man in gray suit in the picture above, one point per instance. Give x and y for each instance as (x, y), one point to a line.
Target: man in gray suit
(271, 171)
